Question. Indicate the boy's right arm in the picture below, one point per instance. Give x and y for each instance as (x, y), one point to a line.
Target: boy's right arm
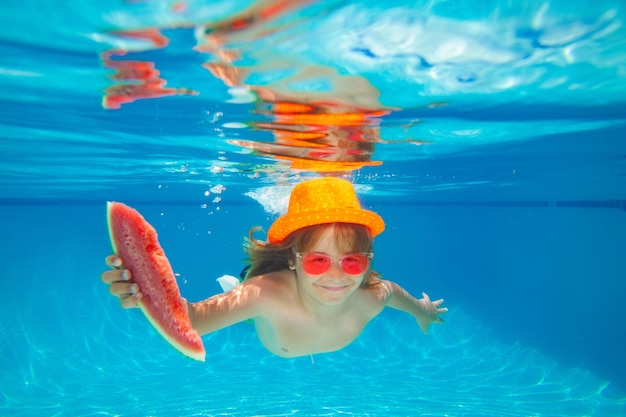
(222, 310)
(242, 303)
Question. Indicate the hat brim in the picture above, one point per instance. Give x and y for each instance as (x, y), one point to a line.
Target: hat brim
(289, 223)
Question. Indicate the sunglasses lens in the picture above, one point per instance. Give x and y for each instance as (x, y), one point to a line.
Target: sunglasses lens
(354, 264)
(316, 264)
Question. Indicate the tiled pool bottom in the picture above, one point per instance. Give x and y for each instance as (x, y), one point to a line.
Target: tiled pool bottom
(460, 369)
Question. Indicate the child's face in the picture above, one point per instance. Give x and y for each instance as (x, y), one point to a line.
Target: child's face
(333, 286)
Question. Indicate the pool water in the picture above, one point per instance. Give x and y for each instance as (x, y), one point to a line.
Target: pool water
(489, 137)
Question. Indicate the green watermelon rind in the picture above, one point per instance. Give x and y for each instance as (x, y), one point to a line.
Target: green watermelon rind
(198, 354)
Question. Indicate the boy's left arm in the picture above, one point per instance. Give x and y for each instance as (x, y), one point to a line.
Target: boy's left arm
(424, 310)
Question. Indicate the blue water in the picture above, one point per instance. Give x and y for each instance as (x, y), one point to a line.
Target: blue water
(497, 161)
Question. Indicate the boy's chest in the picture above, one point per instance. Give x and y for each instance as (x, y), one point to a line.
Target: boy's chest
(301, 335)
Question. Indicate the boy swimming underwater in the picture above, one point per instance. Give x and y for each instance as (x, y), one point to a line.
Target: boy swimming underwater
(309, 288)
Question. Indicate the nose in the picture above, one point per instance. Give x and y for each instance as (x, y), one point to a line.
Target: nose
(335, 270)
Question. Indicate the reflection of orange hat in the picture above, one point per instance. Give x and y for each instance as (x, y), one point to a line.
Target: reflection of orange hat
(316, 165)
(320, 201)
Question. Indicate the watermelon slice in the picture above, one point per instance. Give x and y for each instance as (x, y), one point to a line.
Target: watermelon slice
(135, 241)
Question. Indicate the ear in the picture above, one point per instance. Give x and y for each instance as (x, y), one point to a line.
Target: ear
(291, 258)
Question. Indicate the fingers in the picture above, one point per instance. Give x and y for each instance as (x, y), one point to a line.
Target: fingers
(436, 304)
(127, 292)
(113, 261)
(440, 310)
(120, 285)
(109, 277)
(130, 301)
(122, 289)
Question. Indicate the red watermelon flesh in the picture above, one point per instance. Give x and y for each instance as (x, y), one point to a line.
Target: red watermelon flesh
(136, 242)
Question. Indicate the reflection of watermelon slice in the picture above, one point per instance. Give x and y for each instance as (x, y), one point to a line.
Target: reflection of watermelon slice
(135, 241)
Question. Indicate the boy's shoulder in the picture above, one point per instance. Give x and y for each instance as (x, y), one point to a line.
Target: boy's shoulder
(378, 290)
(273, 292)
(273, 283)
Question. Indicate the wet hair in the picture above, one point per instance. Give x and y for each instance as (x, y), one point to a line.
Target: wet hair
(264, 257)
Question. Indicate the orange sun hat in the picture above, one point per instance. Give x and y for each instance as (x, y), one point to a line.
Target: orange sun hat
(320, 201)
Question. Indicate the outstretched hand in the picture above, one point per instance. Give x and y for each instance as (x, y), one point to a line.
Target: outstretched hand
(120, 283)
(431, 312)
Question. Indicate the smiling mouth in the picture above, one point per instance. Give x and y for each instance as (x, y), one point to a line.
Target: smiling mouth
(334, 289)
